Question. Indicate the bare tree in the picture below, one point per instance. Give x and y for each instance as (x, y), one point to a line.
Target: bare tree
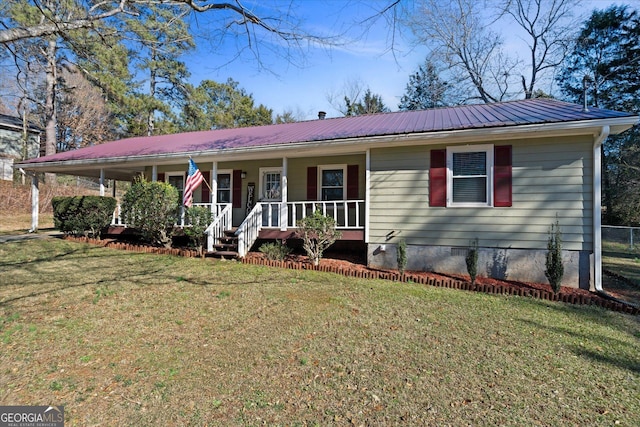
(548, 26)
(455, 33)
(83, 115)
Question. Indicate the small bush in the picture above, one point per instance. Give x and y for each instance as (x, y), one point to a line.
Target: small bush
(402, 256)
(83, 215)
(472, 261)
(152, 208)
(554, 268)
(318, 232)
(276, 251)
(197, 219)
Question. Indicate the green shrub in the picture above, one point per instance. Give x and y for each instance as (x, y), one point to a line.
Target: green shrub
(83, 215)
(318, 232)
(554, 268)
(197, 219)
(151, 208)
(402, 255)
(472, 261)
(276, 251)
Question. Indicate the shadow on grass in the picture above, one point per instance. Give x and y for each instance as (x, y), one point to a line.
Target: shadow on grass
(81, 258)
(615, 352)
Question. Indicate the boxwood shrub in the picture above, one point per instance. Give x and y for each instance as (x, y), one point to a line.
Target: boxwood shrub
(83, 215)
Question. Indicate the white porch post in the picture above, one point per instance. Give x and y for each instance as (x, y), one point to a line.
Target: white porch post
(284, 187)
(214, 188)
(154, 173)
(102, 182)
(35, 201)
(367, 194)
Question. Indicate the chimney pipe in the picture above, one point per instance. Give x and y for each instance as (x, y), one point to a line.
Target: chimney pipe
(321, 115)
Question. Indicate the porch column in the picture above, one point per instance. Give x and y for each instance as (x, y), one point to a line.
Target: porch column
(283, 192)
(35, 201)
(154, 173)
(214, 188)
(102, 182)
(113, 188)
(367, 194)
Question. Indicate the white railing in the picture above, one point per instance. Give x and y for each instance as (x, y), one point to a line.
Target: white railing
(220, 224)
(216, 210)
(346, 213)
(248, 231)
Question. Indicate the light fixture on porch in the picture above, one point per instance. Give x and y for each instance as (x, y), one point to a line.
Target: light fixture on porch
(243, 174)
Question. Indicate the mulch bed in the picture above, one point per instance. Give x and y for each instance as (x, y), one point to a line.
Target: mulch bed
(355, 267)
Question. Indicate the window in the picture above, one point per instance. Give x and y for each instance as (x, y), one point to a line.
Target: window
(270, 181)
(176, 180)
(469, 176)
(332, 182)
(224, 188)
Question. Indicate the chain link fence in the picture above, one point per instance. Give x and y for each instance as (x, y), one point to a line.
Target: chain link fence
(627, 236)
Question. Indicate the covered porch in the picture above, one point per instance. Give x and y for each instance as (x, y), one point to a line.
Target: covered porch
(259, 199)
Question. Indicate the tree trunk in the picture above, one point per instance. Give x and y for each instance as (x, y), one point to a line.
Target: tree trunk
(50, 105)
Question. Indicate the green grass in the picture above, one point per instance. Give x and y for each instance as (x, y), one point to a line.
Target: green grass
(139, 339)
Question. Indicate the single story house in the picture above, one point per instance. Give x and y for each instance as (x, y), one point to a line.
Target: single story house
(13, 145)
(438, 179)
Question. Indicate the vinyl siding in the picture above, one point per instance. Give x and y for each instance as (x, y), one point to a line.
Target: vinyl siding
(551, 177)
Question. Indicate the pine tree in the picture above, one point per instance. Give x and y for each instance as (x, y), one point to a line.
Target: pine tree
(424, 90)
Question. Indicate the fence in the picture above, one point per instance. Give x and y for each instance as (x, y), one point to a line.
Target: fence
(628, 236)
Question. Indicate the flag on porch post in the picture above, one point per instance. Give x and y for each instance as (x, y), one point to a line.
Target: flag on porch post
(194, 179)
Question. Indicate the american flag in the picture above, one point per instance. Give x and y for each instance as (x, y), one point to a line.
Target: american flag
(194, 179)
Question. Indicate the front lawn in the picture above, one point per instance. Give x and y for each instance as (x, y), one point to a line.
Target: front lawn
(140, 339)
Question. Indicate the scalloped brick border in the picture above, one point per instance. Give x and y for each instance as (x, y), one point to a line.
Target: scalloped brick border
(444, 282)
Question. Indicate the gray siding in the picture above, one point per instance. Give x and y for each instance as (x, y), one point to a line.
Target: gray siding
(550, 177)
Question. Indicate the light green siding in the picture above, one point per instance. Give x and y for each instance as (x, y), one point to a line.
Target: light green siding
(551, 177)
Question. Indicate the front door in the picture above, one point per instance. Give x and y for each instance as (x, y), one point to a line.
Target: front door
(271, 195)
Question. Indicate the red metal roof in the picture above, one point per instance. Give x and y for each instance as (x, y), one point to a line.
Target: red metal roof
(514, 113)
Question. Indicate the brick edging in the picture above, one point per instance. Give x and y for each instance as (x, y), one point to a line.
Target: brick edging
(443, 282)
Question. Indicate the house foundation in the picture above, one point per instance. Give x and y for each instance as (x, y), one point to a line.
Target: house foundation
(525, 265)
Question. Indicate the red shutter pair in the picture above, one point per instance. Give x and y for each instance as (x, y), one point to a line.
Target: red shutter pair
(502, 182)
(352, 182)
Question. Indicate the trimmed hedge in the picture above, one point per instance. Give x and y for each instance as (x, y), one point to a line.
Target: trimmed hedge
(83, 215)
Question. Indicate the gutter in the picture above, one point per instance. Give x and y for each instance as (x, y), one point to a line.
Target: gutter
(597, 207)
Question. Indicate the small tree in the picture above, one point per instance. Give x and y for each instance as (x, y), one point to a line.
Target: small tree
(197, 218)
(151, 208)
(554, 268)
(472, 260)
(318, 232)
(402, 256)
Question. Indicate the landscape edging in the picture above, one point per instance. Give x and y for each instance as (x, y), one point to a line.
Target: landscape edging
(445, 282)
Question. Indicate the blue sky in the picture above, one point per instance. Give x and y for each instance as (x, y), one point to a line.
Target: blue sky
(303, 82)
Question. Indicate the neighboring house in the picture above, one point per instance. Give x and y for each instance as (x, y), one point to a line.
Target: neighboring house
(13, 146)
(499, 173)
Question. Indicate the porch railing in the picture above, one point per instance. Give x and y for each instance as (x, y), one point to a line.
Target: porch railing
(216, 210)
(220, 224)
(346, 213)
(248, 231)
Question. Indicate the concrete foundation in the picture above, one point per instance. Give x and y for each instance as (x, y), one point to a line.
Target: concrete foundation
(526, 265)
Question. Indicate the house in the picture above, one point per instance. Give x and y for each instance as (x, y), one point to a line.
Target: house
(438, 179)
(13, 146)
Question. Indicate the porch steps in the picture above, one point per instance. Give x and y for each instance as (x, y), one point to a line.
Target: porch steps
(227, 248)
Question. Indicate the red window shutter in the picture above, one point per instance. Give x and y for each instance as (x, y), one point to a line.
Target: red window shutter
(502, 183)
(236, 197)
(312, 183)
(161, 177)
(438, 178)
(205, 194)
(352, 182)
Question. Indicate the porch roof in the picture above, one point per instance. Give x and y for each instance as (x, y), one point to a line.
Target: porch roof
(123, 158)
